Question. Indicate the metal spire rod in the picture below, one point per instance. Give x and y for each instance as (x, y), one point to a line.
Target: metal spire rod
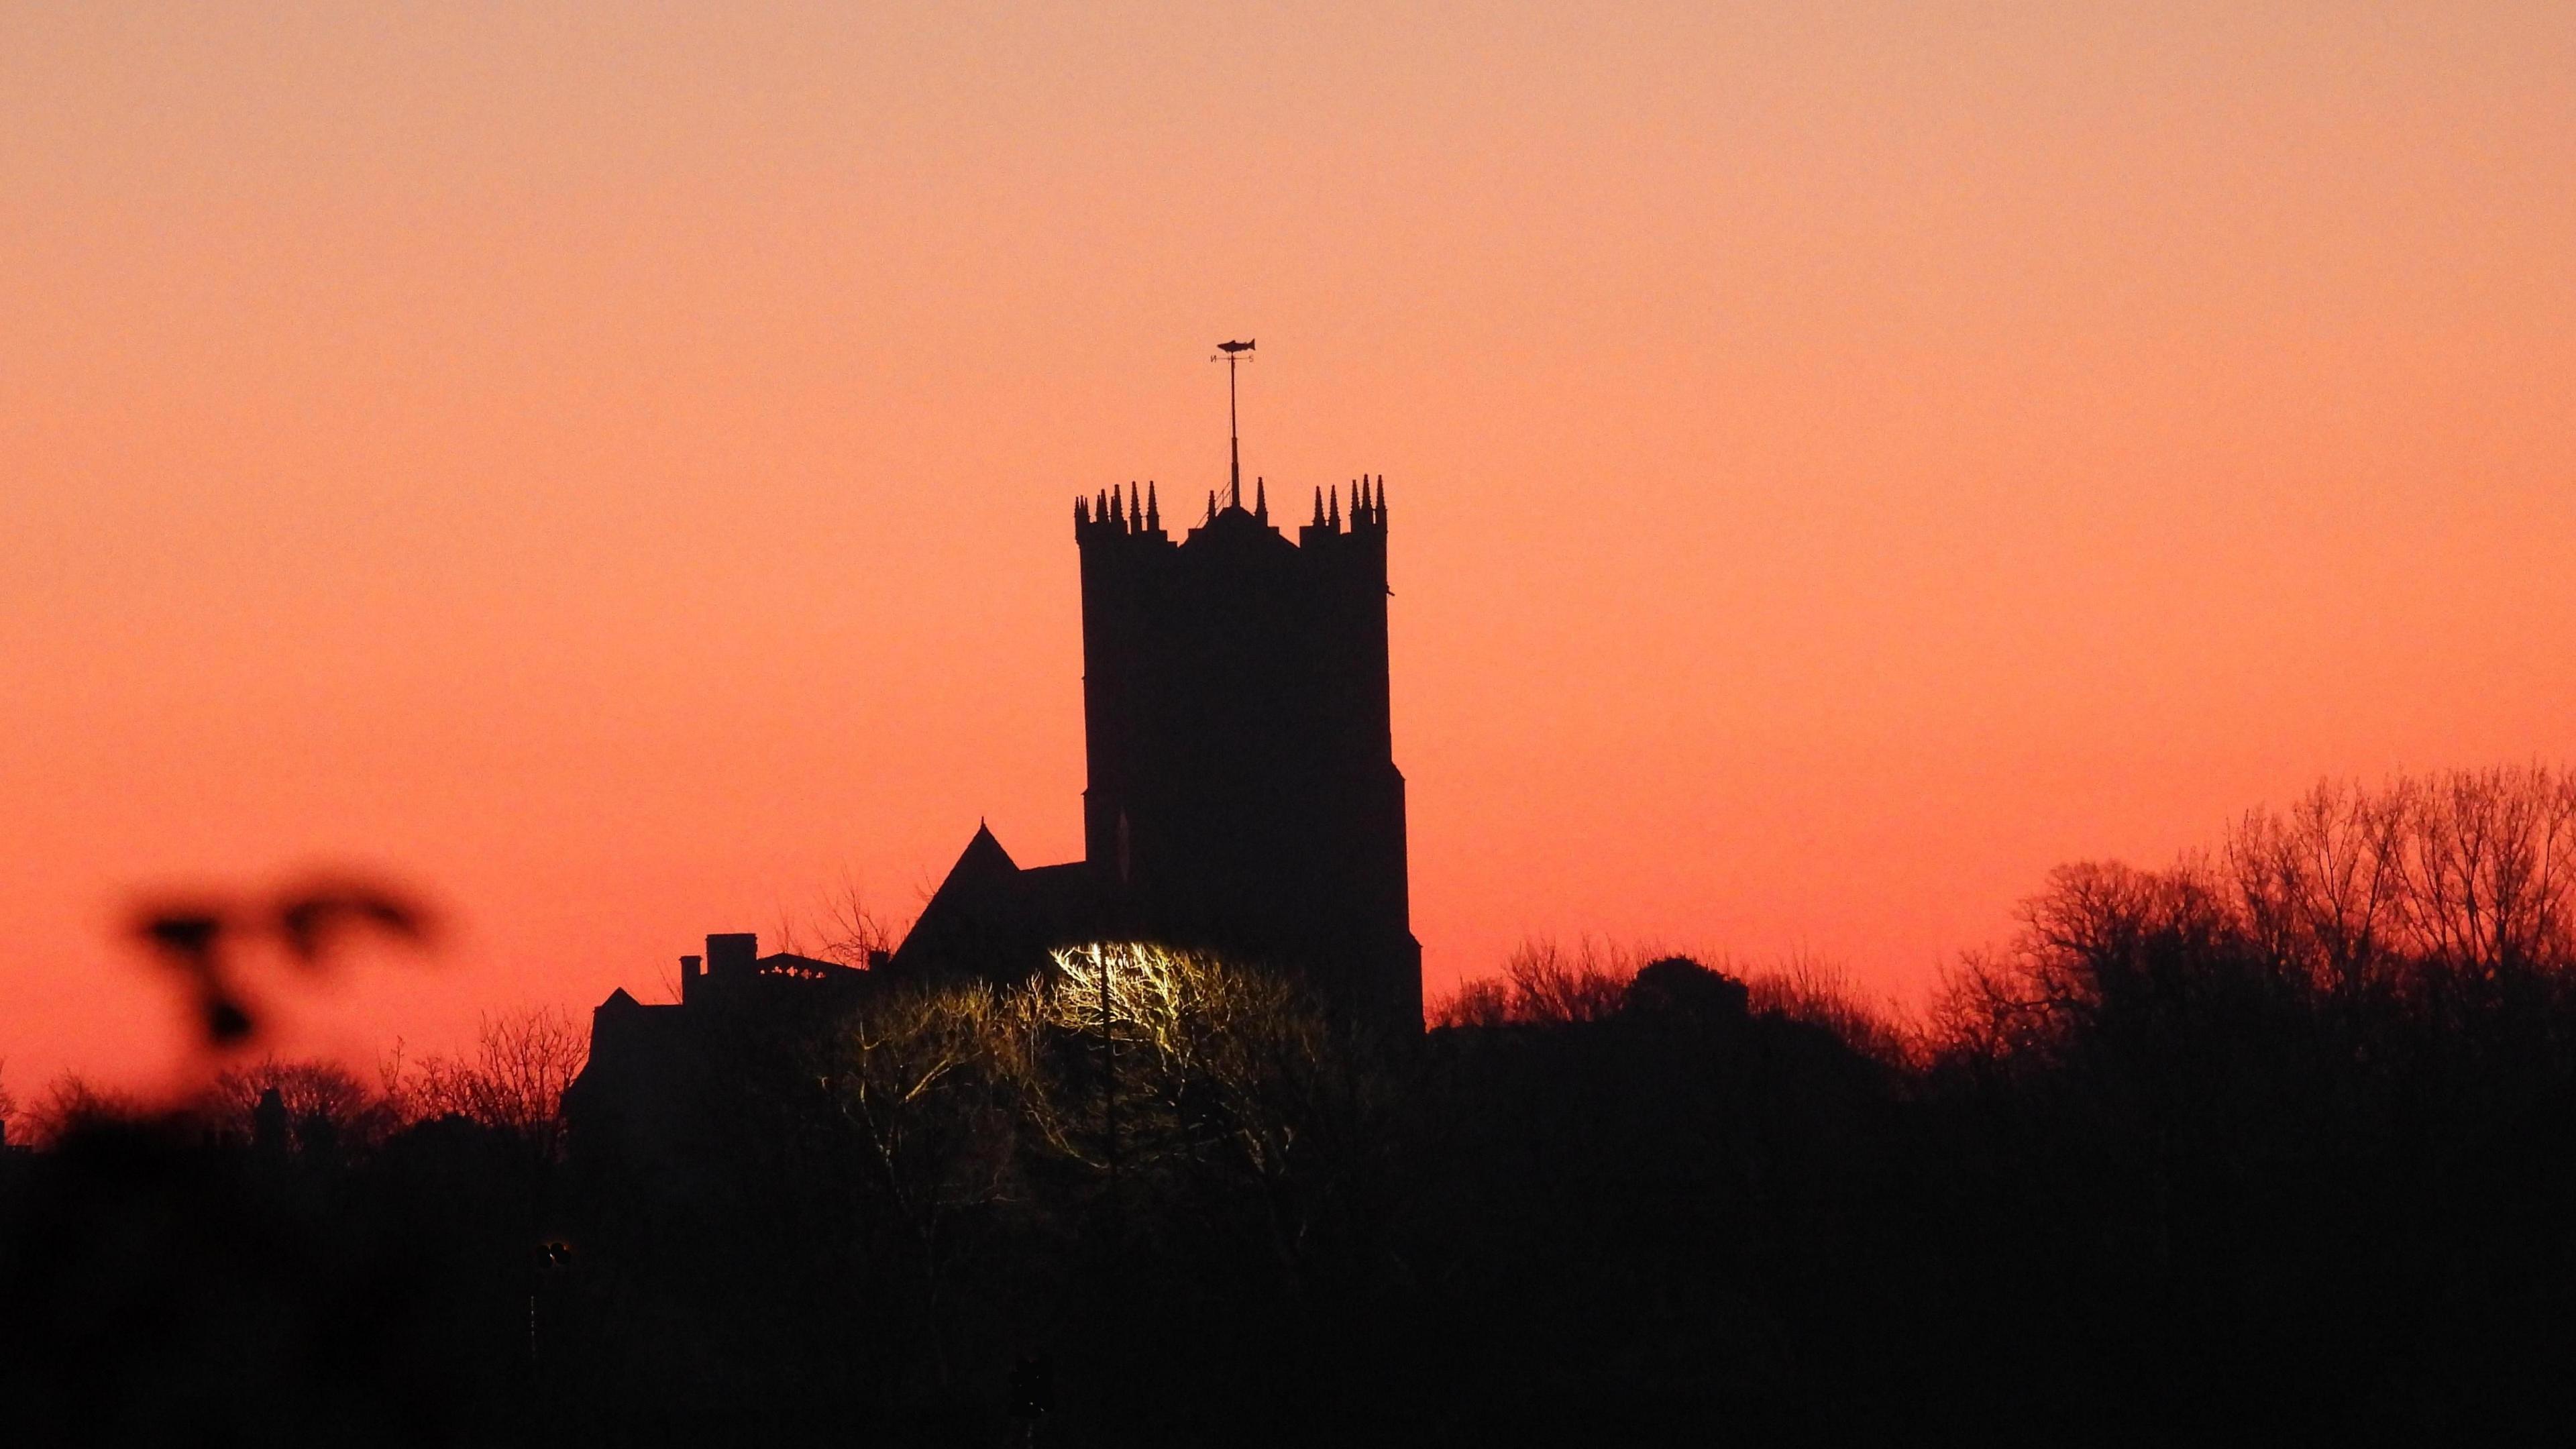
(1233, 351)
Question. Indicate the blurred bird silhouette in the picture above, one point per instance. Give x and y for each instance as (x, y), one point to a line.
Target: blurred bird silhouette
(196, 939)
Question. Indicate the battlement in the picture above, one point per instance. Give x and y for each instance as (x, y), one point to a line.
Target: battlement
(1116, 516)
(1109, 514)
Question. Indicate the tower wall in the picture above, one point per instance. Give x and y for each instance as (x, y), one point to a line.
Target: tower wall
(1242, 790)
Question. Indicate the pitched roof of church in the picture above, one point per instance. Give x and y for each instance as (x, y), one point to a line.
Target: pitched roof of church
(989, 917)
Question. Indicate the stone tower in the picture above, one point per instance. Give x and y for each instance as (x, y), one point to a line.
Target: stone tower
(1242, 792)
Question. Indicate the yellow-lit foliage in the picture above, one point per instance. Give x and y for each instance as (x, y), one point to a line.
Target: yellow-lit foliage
(1206, 1055)
(1209, 1092)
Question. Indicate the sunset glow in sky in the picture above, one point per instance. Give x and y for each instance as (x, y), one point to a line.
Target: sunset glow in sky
(610, 466)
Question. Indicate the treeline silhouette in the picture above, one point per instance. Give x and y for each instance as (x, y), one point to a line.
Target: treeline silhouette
(2277, 1142)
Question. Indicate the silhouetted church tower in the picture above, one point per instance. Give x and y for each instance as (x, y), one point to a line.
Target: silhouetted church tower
(1242, 791)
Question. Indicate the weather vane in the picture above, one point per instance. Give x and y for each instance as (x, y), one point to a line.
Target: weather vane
(1231, 353)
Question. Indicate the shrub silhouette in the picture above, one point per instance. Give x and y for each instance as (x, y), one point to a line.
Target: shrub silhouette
(1678, 986)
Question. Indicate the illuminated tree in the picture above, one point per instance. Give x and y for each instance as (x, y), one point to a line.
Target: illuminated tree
(930, 1078)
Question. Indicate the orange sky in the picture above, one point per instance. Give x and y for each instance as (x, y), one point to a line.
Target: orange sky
(614, 471)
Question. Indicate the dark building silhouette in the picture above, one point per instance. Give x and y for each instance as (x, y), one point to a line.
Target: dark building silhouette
(639, 1101)
(1242, 793)
(1242, 798)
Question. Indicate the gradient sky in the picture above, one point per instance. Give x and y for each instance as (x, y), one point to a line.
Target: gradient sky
(610, 465)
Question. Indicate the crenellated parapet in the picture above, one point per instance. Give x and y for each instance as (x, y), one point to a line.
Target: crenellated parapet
(1346, 517)
(1358, 529)
(1110, 514)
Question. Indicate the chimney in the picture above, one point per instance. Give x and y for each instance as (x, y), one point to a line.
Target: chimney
(733, 956)
(693, 969)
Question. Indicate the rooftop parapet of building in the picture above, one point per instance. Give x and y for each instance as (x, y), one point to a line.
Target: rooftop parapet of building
(734, 970)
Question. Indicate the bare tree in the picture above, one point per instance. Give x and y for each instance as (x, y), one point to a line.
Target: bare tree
(2489, 864)
(1808, 988)
(843, 927)
(325, 1103)
(1480, 1002)
(2463, 875)
(2104, 942)
(852, 932)
(2321, 883)
(71, 1102)
(2423, 896)
(1542, 983)
(514, 1079)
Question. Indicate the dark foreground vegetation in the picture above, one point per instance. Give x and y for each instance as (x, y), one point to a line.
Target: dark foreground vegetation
(2279, 1144)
